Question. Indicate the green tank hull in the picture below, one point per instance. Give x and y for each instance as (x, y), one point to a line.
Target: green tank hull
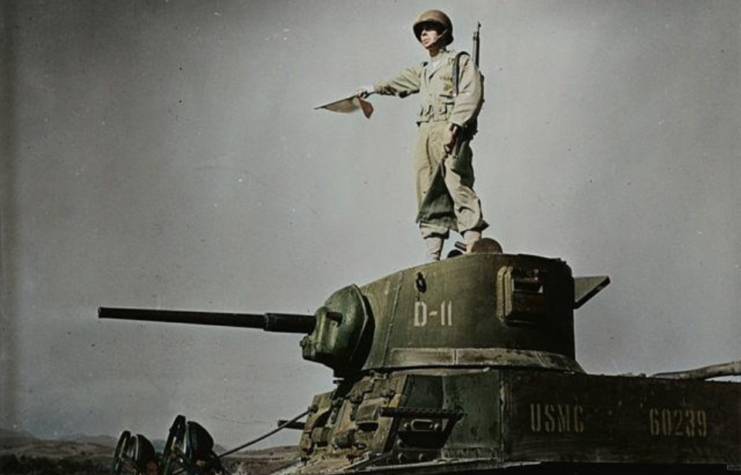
(473, 420)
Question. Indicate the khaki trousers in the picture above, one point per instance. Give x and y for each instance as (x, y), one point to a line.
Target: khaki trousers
(446, 201)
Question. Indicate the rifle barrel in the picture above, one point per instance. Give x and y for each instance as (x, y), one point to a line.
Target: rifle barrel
(477, 45)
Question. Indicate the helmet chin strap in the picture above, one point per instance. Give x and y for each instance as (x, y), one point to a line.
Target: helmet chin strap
(439, 38)
(442, 36)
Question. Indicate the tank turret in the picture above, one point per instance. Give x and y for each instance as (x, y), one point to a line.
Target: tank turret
(472, 311)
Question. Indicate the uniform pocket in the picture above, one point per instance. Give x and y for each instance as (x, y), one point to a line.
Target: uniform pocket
(447, 83)
(445, 103)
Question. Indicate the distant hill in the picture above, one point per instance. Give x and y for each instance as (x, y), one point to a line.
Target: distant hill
(104, 440)
(10, 438)
(15, 433)
(60, 449)
(23, 455)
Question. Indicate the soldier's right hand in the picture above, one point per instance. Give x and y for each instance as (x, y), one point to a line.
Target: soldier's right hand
(365, 91)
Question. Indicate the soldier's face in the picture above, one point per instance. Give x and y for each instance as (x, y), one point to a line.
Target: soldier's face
(431, 33)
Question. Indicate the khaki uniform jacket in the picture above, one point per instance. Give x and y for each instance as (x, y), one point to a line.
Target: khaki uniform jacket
(435, 86)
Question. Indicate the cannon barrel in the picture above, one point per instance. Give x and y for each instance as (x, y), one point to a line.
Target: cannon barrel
(271, 322)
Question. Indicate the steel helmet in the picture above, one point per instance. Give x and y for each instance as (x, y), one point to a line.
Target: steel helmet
(198, 442)
(435, 16)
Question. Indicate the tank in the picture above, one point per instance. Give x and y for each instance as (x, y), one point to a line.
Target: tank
(468, 365)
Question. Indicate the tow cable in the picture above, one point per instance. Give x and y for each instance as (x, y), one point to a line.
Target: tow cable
(280, 427)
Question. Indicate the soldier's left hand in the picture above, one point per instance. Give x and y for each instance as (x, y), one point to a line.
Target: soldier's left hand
(450, 137)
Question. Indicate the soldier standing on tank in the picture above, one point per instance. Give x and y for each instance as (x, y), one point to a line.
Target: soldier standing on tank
(446, 125)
